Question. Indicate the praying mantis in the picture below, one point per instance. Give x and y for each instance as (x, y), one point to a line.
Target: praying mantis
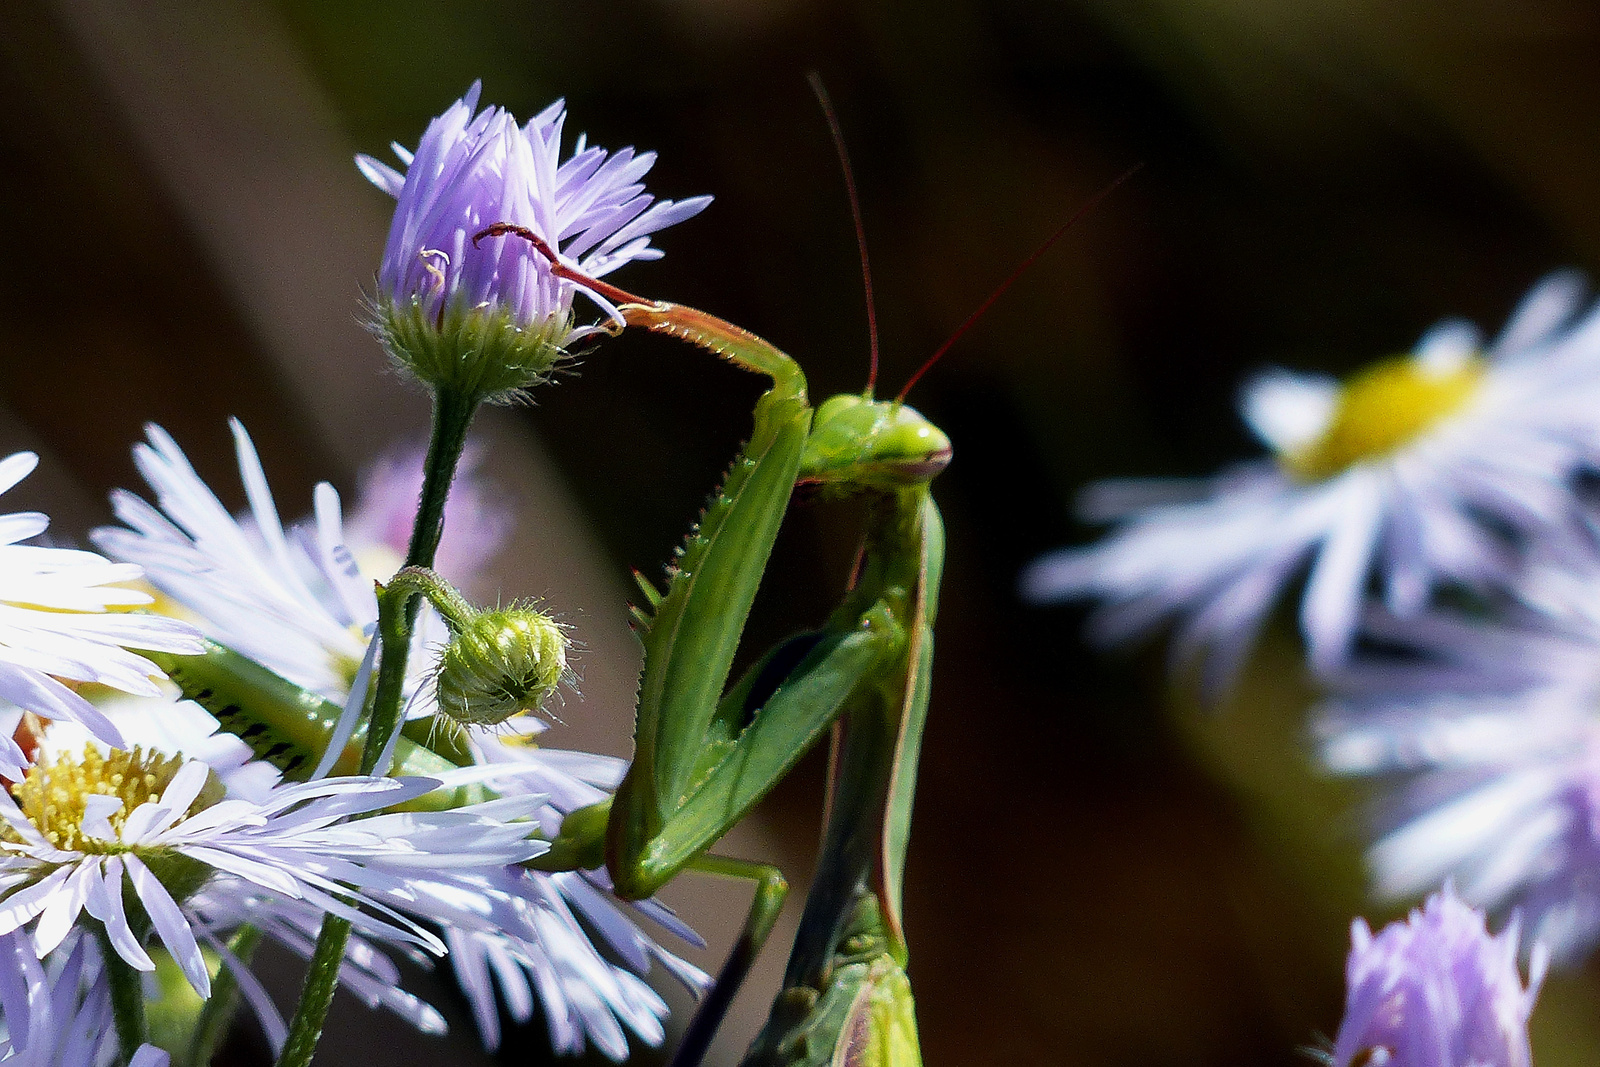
(704, 756)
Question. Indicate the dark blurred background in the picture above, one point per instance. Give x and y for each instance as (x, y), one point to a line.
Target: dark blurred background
(1102, 872)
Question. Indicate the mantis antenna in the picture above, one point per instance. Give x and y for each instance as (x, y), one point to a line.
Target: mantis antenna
(1077, 216)
(855, 213)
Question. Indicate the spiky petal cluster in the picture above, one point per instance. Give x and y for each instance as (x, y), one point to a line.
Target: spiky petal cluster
(490, 319)
(1436, 990)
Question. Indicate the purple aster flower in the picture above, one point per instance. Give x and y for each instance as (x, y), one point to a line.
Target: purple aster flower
(1436, 991)
(1485, 739)
(489, 318)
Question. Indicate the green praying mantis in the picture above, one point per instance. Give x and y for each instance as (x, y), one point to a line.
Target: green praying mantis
(705, 754)
(703, 757)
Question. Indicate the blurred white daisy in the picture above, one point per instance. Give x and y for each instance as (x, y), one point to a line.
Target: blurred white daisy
(55, 626)
(1435, 467)
(1488, 738)
(378, 528)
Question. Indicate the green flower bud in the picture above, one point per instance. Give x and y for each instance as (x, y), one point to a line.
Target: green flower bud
(499, 663)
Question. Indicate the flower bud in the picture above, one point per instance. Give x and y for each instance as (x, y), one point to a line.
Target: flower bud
(500, 663)
(488, 318)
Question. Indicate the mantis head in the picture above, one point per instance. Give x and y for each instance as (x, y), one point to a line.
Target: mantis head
(861, 444)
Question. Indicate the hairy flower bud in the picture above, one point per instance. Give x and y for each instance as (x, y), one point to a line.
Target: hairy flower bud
(500, 663)
(488, 318)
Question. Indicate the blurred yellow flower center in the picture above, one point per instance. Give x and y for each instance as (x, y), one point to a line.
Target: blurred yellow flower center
(1381, 409)
(53, 793)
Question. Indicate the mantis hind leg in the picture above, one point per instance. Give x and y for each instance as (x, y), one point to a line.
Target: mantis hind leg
(771, 889)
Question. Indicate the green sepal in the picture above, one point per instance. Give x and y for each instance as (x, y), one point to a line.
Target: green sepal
(481, 352)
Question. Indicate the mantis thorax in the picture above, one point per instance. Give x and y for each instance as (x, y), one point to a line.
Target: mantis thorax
(858, 443)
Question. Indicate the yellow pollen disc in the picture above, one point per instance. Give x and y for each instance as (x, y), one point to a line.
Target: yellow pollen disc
(1382, 408)
(53, 793)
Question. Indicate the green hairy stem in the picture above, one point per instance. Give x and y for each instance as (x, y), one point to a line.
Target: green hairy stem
(397, 613)
(215, 1016)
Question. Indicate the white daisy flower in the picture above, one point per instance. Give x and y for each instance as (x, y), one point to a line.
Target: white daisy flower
(166, 724)
(293, 601)
(1489, 743)
(1435, 467)
(307, 629)
(547, 954)
(55, 626)
(81, 831)
(227, 902)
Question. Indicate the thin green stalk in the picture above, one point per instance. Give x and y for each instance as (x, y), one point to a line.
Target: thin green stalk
(322, 978)
(444, 597)
(452, 414)
(217, 1014)
(127, 1000)
(397, 609)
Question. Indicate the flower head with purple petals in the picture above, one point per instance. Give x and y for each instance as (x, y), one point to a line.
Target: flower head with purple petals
(1436, 991)
(488, 318)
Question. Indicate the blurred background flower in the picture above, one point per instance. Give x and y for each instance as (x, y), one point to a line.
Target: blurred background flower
(1324, 179)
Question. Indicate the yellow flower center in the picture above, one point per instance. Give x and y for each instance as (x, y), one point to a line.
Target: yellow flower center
(52, 795)
(1382, 408)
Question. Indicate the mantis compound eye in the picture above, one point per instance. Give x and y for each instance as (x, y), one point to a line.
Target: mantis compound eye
(500, 663)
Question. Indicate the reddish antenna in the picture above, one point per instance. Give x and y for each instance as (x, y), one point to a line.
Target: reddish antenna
(972, 319)
(855, 213)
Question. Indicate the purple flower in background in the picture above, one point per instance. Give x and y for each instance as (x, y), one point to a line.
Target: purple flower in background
(1485, 737)
(490, 318)
(1436, 991)
(475, 525)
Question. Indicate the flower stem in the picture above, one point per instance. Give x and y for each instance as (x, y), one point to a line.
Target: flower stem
(397, 611)
(397, 608)
(218, 1012)
(440, 593)
(127, 1000)
(322, 978)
